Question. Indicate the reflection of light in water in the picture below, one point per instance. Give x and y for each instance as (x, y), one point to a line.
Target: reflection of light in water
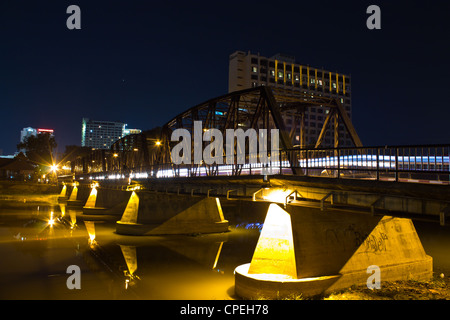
(51, 221)
(255, 225)
(129, 254)
(73, 219)
(63, 209)
(218, 255)
(90, 228)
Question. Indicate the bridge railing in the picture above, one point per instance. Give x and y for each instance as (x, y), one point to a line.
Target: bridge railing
(422, 163)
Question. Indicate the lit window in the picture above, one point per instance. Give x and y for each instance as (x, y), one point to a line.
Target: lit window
(297, 78)
(272, 73)
(289, 76)
(320, 82)
(280, 74)
(254, 69)
(334, 85)
(312, 80)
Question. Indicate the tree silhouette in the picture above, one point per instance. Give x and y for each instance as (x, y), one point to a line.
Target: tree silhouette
(39, 148)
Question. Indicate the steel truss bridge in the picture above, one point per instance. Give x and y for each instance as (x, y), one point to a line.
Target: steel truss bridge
(145, 156)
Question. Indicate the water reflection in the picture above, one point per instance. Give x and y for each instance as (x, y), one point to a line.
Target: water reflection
(36, 253)
(90, 228)
(129, 253)
(39, 244)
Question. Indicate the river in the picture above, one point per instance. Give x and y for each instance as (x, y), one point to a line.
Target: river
(40, 240)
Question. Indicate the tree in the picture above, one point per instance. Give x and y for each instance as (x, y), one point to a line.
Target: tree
(39, 148)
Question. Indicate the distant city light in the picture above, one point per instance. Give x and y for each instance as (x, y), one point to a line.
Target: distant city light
(45, 130)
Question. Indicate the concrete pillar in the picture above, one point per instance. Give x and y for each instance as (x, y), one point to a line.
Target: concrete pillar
(332, 251)
(104, 201)
(156, 213)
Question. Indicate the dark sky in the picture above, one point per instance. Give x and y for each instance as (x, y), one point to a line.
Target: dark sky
(143, 62)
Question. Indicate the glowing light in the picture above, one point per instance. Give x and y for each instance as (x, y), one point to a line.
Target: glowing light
(73, 195)
(276, 195)
(45, 130)
(95, 185)
(274, 253)
(131, 211)
(54, 168)
(134, 187)
(73, 219)
(63, 191)
(90, 228)
(158, 143)
(90, 203)
(51, 221)
(217, 255)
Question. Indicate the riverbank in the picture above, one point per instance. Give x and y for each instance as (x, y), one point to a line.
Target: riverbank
(27, 188)
(437, 288)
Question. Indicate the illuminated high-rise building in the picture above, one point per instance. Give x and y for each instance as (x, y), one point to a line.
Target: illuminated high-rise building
(247, 70)
(102, 134)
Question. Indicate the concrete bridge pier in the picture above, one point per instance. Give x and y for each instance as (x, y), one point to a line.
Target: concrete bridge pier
(64, 194)
(105, 201)
(77, 196)
(303, 250)
(149, 213)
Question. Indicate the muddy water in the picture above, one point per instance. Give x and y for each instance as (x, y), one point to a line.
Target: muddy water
(39, 240)
(38, 243)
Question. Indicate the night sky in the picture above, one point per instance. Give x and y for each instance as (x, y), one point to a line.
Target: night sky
(143, 62)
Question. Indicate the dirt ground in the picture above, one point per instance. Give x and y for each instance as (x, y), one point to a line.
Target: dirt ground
(437, 288)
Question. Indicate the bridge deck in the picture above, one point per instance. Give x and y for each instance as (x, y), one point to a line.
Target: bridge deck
(413, 200)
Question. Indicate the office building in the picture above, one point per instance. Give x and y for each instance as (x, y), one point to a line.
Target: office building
(27, 132)
(247, 70)
(102, 134)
